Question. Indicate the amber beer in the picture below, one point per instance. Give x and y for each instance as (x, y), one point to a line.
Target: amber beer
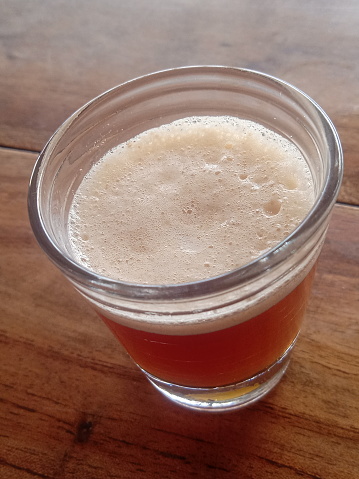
(189, 207)
(183, 202)
(223, 357)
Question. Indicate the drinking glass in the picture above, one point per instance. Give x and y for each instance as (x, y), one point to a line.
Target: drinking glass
(223, 342)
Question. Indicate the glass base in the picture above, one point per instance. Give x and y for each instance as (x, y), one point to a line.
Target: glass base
(225, 398)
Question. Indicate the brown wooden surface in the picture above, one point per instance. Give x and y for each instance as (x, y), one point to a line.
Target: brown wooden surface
(72, 405)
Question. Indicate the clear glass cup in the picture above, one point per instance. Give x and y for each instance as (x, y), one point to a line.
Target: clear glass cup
(215, 344)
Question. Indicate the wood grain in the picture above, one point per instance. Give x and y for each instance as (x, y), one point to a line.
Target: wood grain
(73, 404)
(56, 55)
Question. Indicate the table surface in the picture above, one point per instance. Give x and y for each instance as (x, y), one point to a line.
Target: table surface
(73, 405)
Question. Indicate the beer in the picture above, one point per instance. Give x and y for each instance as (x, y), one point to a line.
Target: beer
(222, 357)
(187, 201)
(189, 207)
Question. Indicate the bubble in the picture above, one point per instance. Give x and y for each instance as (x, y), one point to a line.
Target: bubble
(260, 178)
(272, 207)
(228, 158)
(187, 210)
(290, 183)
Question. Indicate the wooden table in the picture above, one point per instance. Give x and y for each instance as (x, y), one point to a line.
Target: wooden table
(73, 405)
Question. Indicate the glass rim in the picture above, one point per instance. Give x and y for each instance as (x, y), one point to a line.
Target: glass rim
(223, 282)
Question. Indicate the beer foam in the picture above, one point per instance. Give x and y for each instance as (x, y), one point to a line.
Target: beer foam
(189, 200)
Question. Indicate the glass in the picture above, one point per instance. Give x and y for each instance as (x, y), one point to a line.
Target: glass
(223, 342)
